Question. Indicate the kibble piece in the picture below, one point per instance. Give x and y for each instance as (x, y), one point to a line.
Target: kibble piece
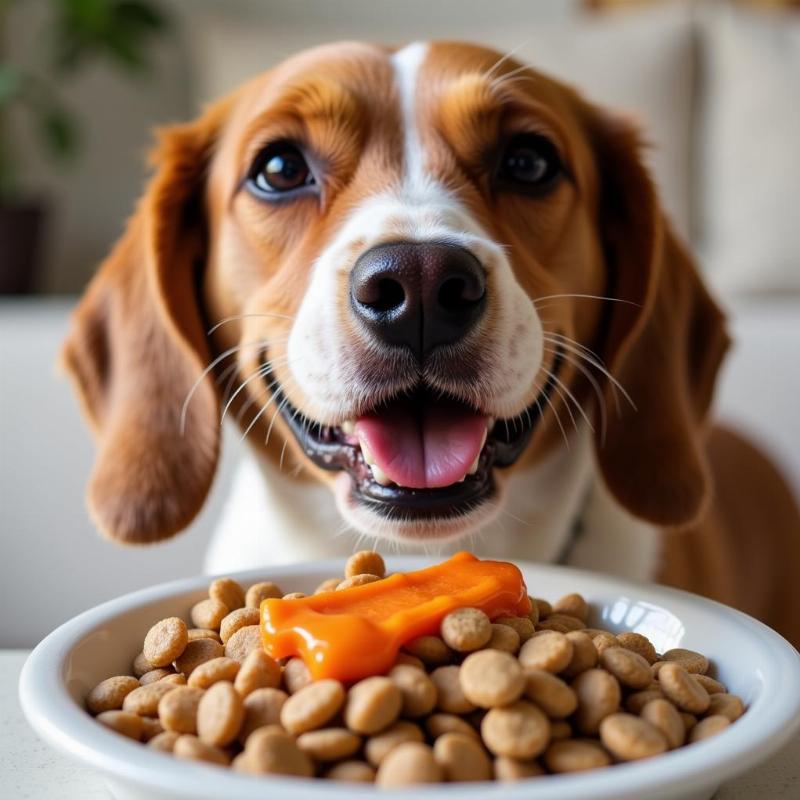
(667, 719)
(356, 580)
(491, 678)
(519, 730)
(416, 688)
(196, 653)
(329, 744)
(680, 687)
(560, 729)
(220, 714)
(462, 758)
(313, 706)
(165, 742)
(522, 625)
(193, 749)
(210, 672)
(710, 726)
(629, 738)
(294, 596)
(512, 769)
(689, 720)
(533, 614)
(372, 705)
(408, 764)
(655, 668)
(209, 613)
(123, 722)
(165, 641)
(550, 693)
(328, 585)
(150, 728)
(636, 701)
(575, 755)
(351, 772)
(175, 678)
(551, 651)
(629, 668)
(295, 675)
(228, 591)
(430, 649)
(561, 622)
(141, 665)
(438, 724)
(262, 707)
(109, 694)
(638, 644)
(711, 685)
(603, 641)
(598, 696)
(544, 607)
(237, 619)
(203, 633)
(144, 700)
(450, 696)
(504, 638)
(728, 705)
(466, 629)
(574, 605)
(257, 671)
(243, 642)
(408, 660)
(156, 675)
(270, 751)
(584, 654)
(261, 591)
(688, 659)
(177, 710)
(381, 744)
(365, 562)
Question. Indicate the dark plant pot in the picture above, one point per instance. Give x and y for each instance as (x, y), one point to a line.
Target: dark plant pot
(21, 226)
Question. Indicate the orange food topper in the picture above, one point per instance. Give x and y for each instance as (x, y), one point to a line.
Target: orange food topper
(352, 633)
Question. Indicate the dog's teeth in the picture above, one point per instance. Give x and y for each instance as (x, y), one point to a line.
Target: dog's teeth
(474, 468)
(461, 479)
(366, 452)
(485, 434)
(349, 427)
(379, 476)
(490, 423)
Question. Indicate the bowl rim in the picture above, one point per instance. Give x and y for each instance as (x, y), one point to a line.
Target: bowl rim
(769, 723)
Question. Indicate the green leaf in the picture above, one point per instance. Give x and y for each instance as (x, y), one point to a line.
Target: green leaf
(59, 132)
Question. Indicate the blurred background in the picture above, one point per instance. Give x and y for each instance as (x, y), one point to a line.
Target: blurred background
(82, 83)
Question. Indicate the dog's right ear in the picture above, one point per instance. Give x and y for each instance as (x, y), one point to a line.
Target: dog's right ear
(137, 346)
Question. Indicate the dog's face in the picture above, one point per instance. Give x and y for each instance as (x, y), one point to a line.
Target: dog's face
(416, 268)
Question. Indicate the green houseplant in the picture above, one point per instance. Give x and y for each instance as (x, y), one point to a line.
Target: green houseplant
(76, 33)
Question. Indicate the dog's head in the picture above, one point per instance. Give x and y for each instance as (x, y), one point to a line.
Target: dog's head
(404, 273)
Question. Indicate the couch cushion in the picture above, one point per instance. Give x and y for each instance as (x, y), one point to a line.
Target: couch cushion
(640, 63)
(749, 162)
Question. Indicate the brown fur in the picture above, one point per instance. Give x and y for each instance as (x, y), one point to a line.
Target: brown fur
(199, 250)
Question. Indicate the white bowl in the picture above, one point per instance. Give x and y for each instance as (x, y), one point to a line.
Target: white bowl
(752, 660)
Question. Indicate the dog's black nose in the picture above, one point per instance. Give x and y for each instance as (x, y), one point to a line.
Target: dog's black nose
(420, 295)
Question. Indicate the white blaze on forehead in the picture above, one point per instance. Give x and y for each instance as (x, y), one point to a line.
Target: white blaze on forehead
(407, 64)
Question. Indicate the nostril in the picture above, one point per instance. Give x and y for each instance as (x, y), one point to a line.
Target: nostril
(456, 294)
(388, 295)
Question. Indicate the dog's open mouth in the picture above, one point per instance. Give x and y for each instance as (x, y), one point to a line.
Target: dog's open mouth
(421, 454)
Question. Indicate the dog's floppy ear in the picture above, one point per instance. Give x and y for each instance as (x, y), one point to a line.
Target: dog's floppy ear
(664, 344)
(137, 345)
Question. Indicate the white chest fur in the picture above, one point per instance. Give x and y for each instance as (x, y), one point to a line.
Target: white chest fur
(271, 519)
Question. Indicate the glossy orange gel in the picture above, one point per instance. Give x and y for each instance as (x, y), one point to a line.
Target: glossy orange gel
(357, 632)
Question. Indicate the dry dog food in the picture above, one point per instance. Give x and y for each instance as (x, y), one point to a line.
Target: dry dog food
(483, 698)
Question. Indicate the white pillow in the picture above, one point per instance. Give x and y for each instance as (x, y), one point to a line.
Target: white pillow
(750, 157)
(638, 62)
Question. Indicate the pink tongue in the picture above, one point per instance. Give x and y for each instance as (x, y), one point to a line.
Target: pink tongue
(424, 447)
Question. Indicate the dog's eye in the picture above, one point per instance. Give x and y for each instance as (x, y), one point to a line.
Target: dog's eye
(280, 168)
(530, 162)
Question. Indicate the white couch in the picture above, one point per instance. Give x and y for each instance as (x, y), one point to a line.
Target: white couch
(686, 78)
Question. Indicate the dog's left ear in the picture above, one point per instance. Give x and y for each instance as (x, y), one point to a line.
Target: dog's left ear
(137, 348)
(663, 344)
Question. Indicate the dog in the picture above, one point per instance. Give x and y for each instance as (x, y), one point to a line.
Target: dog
(437, 291)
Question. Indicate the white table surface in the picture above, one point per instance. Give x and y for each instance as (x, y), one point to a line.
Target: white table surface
(30, 770)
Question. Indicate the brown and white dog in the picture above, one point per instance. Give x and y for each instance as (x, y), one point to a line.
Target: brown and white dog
(438, 292)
